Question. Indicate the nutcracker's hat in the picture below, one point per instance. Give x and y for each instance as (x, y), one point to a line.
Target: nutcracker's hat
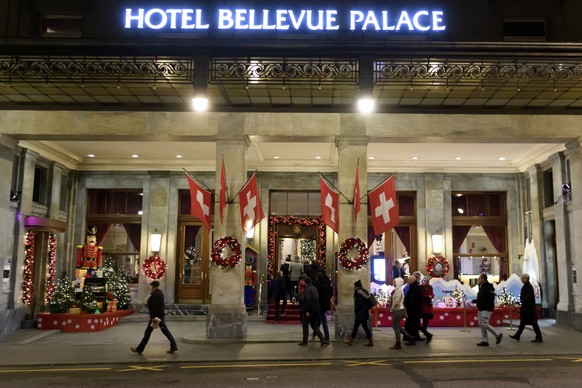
(91, 230)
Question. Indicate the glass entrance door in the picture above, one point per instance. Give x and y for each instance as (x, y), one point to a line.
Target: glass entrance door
(194, 251)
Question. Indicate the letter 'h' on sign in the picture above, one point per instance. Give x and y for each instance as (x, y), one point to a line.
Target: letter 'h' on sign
(383, 206)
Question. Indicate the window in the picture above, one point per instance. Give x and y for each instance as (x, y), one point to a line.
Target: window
(114, 202)
(61, 26)
(295, 203)
(39, 191)
(524, 30)
(64, 199)
(548, 187)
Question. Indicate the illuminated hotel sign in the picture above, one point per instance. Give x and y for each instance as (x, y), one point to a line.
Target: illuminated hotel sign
(185, 19)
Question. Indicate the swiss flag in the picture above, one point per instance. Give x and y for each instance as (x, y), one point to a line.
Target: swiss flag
(223, 198)
(251, 211)
(329, 205)
(200, 201)
(357, 192)
(383, 206)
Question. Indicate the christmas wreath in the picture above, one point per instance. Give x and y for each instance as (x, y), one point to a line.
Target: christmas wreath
(343, 255)
(230, 261)
(437, 266)
(154, 267)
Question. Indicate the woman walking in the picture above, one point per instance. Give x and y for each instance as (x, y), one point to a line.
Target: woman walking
(398, 311)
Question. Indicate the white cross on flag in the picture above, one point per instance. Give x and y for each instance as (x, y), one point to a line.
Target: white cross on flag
(383, 206)
(251, 211)
(329, 205)
(200, 201)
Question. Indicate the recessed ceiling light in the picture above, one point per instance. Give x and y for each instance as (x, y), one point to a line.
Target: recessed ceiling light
(458, 158)
(179, 156)
(501, 158)
(140, 212)
(135, 156)
(366, 105)
(414, 158)
(91, 155)
(371, 158)
(318, 157)
(276, 157)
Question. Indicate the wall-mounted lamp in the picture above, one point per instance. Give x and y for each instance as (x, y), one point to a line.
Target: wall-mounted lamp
(437, 243)
(156, 242)
(251, 232)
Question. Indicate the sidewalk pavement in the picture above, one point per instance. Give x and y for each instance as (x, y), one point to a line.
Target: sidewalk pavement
(264, 342)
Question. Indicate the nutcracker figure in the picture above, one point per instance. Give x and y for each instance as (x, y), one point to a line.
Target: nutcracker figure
(250, 281)
(89, 255)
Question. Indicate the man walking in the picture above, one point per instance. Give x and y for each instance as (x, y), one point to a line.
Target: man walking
(362, 314)
(413, 304)
(279, 292)
(527, 311)
(310, 309)
(485, 304)
(156, 307)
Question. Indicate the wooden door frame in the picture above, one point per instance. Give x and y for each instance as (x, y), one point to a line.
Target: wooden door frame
(205, 296)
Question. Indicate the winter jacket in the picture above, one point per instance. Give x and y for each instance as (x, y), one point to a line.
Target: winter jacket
(156, 304)
(361, 310)
(486, 297)
(325, 293)
(527, 311)
(310, 301)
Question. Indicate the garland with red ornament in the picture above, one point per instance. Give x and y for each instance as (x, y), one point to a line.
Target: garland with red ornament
(27, 287)
(292, 220)
(154, 267)
(52, 253)
(360, 260)
(226, 261)
(437, 266)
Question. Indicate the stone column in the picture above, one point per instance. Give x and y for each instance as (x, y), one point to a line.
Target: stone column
(155, 218)
(7, 238)
(438, 219)
(352, 145)
(575, 237)
(227, 316)
(54, 202)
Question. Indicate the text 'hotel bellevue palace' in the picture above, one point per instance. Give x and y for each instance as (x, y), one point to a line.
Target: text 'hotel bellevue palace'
(473, 107)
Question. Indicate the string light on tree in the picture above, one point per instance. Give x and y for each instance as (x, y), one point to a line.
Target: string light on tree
(117, 283)
(506, 298)
(64, 293)
(50, 281)
(27, 287)
(458, 296)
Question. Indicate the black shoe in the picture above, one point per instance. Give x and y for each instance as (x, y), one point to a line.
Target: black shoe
(324, 343)
(537, 341)
(498, 339)
(514, 337)
(429, 338)
(135, 350)
(172, 350)
(483, 343)
(302, 344)
(419, 339)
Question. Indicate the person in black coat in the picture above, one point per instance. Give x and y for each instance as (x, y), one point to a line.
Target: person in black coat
(527, 311)
(279, 293)
(156, 307)
(362, 314)
(285, 269)
(485, 304)
(323, 285)
(413, 304)
(310, 313)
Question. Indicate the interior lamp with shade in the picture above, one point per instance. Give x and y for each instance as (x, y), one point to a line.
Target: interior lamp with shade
(437, 243)
(156, 242)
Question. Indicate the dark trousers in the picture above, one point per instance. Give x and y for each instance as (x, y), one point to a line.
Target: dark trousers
(412, 325)
(278, 299)
(148, 332)
(364, 324)
(313, 321)
(535, 326)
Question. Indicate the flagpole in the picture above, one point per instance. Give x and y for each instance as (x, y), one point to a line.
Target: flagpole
(200, 183)
(378, 185)
(338, 190)
(243, 186)
(226, 188)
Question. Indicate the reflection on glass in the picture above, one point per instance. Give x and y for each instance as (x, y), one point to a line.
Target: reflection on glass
(192, 262)
(480, 257)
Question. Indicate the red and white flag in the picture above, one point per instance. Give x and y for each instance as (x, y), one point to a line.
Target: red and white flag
(357, 193)
(200, 201)
(251, 211)
(329, 205)
(223, 191)
(383, 206)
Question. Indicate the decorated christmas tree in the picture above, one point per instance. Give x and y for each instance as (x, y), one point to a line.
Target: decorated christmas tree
(506, 298)
(458, 296)
(117, 283)
(88, 302)
(308, 249)
(64, 293)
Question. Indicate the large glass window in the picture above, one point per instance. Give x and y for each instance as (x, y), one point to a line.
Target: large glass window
(295, 203)
(40, 185)
(479, 236)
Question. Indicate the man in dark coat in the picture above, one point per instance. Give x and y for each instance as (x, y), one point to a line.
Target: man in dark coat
(413, 304)
(362, 314)
(485, 304)
(156, 307)
(527, 311)
(285, 269)
(310, 311)
(324, 289)
(279, 293)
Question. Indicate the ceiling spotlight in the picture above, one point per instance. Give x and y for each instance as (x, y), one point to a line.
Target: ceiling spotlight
(179, 156)
(501, 158)
(318, 157)
(461, 210)
(91, 155)
(276, 157)
(458, 158)
(371, 158)
(414, 158)
(200, 104)
(366, 105)
(135, 156)
(140, 212)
